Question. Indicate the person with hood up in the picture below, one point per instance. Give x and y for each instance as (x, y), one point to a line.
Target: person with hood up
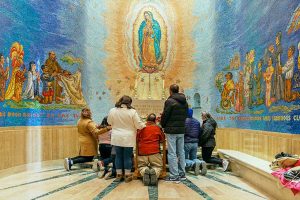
(173, 121)
(191, 139)
(208, 141)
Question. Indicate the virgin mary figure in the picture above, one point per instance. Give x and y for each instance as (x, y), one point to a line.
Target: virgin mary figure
(149, 44)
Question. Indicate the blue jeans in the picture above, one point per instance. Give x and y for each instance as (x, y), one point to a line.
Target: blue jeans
(107, 161)
(106, 157)
(190, 150)
(123, 159)
(176, 159)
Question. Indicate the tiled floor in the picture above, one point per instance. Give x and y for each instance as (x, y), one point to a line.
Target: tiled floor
(49, 180)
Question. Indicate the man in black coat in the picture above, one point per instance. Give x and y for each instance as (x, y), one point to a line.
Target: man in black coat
(173, 121)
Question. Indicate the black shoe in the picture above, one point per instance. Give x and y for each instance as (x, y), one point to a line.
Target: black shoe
(182, 177)
(128, 178)
(172, 179)
(153, 177)
(146, 177)
(119, 178)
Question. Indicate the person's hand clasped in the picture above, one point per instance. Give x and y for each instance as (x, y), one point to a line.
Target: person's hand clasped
(98, 126)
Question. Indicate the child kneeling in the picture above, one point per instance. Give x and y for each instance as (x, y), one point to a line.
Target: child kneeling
(149, 158)
(107, 155)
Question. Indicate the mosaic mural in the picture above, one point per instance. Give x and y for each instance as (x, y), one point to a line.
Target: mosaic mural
(237, 59)
(143, 44)
(257, 77)
(41, 61)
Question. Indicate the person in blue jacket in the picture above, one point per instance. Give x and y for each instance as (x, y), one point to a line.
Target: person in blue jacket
(191, 139)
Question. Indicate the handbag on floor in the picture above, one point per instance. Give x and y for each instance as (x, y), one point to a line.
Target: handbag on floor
(292, 174)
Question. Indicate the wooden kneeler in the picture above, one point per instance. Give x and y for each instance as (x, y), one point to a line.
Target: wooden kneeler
(163, 174)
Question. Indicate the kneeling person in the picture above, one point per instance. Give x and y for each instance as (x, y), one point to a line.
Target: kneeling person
(87, 134)
(191, 140)
(149, 158)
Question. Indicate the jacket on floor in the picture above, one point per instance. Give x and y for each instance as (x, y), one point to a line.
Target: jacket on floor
(174, 114)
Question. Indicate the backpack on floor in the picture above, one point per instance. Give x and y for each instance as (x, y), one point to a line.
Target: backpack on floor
(282, 154)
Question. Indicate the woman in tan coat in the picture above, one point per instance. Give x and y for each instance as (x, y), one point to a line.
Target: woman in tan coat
(87, 134)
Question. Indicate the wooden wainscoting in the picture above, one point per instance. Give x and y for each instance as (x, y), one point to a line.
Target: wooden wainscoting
(22, 145)
(261, 144)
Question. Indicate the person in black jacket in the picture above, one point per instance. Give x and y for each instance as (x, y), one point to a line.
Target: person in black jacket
(191, 139)
(208, 141)
(173, 122)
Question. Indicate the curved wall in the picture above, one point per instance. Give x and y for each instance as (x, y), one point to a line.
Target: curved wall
(219, 50)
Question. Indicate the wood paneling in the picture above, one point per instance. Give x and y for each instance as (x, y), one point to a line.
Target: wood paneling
(21, 145)
(261, 144)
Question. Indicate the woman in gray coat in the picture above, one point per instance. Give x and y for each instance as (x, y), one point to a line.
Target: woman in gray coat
(208, 141)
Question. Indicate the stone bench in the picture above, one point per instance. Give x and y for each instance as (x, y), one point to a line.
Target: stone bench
(257, 172)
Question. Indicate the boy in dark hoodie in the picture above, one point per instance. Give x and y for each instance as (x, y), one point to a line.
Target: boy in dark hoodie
(149, 159)
(191, 139)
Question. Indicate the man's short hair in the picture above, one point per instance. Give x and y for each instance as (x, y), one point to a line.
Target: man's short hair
(174, 88)
(1, 54)
(151, 117)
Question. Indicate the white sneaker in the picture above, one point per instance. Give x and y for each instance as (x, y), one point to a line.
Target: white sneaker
(197, 168)
(101, 174)
(203, 168)
(67, 164)
(101, 167)
(95, 165)
(107, 176)
(225, 164)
